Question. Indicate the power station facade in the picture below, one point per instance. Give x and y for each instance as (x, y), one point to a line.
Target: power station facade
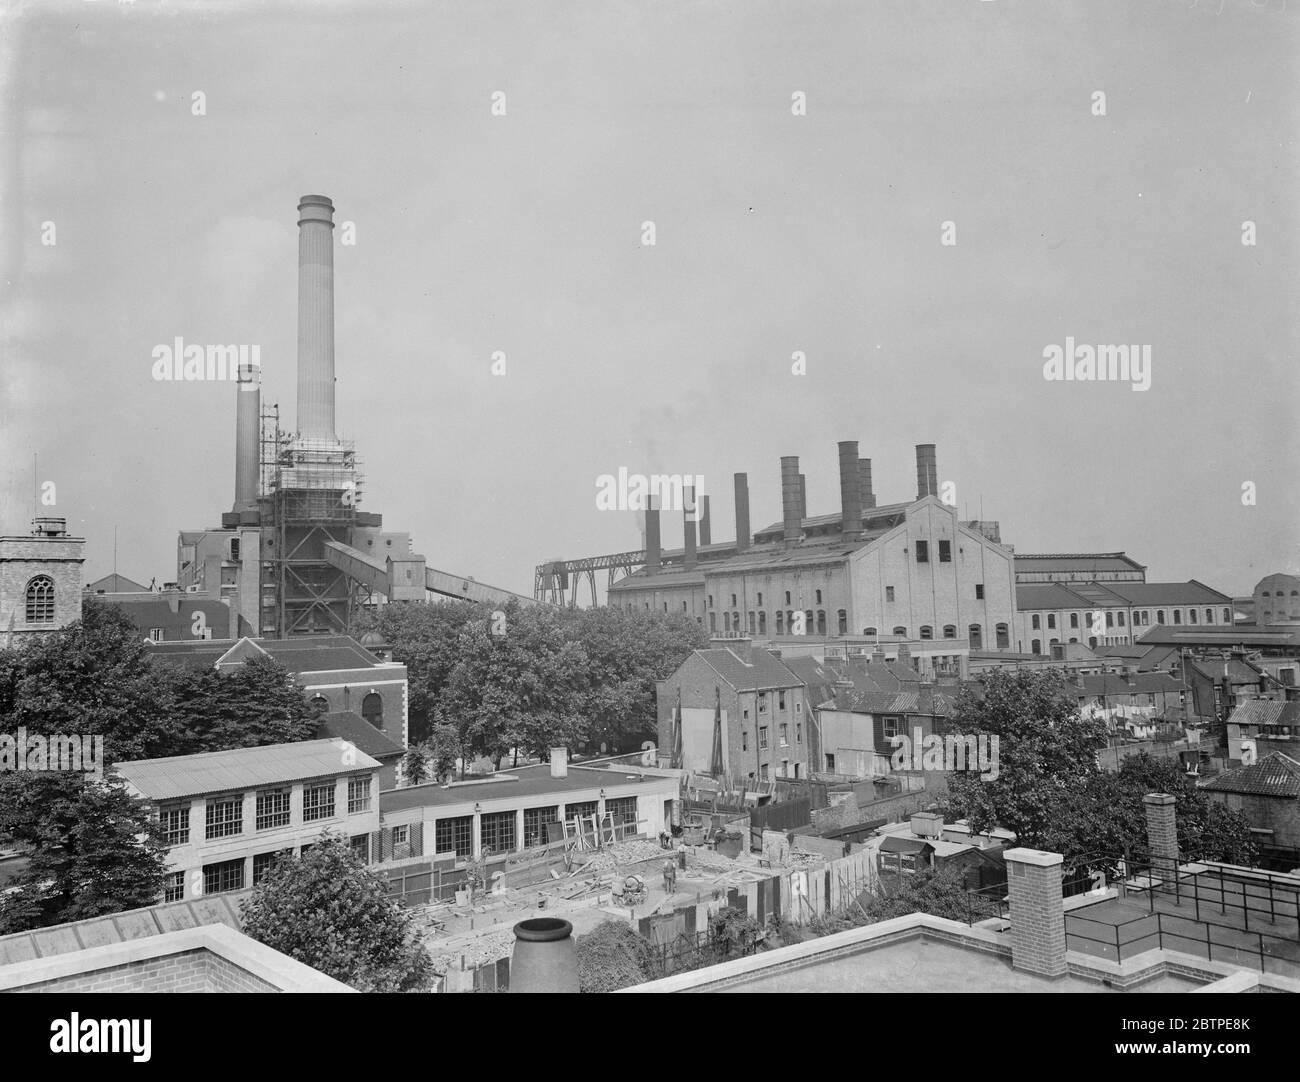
(296, 555)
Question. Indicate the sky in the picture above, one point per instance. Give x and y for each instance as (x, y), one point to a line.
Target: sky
(774, 234)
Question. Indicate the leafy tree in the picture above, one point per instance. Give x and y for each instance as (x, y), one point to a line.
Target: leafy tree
(251, 705)
(1046, 752)
(613, 956)
(92, 849)
(941, 893)
(329, 911)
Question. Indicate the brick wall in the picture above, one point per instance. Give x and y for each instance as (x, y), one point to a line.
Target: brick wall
(188, 971)
(1037, 912)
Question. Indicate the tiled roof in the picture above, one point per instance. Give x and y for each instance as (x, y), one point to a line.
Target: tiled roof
(765, 672)
(242, 768)
(1266, 712)
(1236, 670)
(310, 653)
(1274, 775)
(1141, 683)
(352, 727)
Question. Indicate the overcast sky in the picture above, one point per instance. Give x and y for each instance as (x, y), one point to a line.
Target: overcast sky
(775, 233)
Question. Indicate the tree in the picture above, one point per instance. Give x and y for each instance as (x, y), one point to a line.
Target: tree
(1046, 752)
(613, 956)
(329, 911)
(939, 892)
(251, 705)
(91, 849)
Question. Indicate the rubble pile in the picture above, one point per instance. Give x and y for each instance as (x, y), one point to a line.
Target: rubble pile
(614, 857)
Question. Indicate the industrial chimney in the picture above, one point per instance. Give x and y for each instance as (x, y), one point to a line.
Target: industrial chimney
(803, 498)
(653, 548)
(248, 412)
(742, 512)
(793, 527)
(316, 318)
(690, 510)
(850, 497)
(927, 471)
(864, 484)
(706, 527)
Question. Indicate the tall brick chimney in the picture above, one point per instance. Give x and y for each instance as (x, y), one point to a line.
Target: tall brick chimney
(791, 519)
(927, 471)
(316, 317)
(743, 536)
(690, 511)
(850, 496)
(864, 483)
(653, 545)
(706, 527)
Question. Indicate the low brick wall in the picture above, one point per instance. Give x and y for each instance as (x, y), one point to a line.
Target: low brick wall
(190, 971)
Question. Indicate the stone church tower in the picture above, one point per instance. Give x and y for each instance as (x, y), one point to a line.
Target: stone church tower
(40, 580)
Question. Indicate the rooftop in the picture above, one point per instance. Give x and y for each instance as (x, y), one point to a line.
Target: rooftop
(1266, 712)
(309, 653)
(1039, 562)
(1274, 775)
(242, 768)
(765, 671)
(526, 781)
(352, 727)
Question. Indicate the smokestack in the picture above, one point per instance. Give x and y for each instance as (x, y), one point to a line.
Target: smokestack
(689, 513)
(803, 497)
(316, 317)
(248, 417)
(850, 496)
(790, 499)
(742, 512)
(653, 549)
(706, 527)
(864, 483)
(927, 471)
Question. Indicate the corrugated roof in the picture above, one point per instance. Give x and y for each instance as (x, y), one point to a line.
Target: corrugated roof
(1274, 775)
(242, 768)
(528, 781)
(351, 726)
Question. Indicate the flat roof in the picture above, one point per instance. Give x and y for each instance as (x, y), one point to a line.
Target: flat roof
(522, 783)
(243, 768)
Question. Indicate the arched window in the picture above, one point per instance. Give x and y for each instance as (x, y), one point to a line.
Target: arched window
(1036, 646)
(753, 623)
(1120, 618)
(870, 631)
(843, 617)
(927, 632)
(1178, 616)
(976, 635)
(735, 621)
(319, 703)
(949, 631)
(901, 631)
(713, 621)
(821, 621)
(40, 600)
(1209, 616)
(762, 623)
(1227, 616)
(1265, 594)
(372, 709)
(1051, 621)
(726, 621)
(808, 621)
(780, 621)
(1160, 616)
(1110, 618)
(1034, 623)
(1004, 640)
(1074, 621)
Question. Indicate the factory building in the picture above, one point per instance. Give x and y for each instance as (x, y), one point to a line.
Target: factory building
(909, 570)
(40, 580)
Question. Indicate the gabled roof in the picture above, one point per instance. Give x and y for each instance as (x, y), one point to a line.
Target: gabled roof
(352, 727)
(765, 672)
(1047, 595)
(242, 768)
(1236, 670)
(116, 584)
(1190, 592)
(1140, 683)
(1274, 775)
(309, 653)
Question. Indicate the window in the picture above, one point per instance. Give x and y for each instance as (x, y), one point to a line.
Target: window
(234, 549)
(360, 844)
(713, 621)
(582, 809)
(945, 552)
(40, 600)
(922, 552)
(1051, 621)
(798, 707)
(726, 622)
(900, 630)
(1074, 619)
(830, 763)
(891, 727)
(1003, 639)
(174, 887)
(1119, 618)
(889, 593)
(787, 597)
(821, 621)
(949, 631)
(733, 601)
(1036, 646)
(1227, 616)
(272, 808)
(760, 599)
(1110, 618)
(358, 795)
(927, 632)
(155, 634)
(1160, 616)
(535, 820)
(735, 621)
(1178, 616)
(622, 807)
(976, 635)
(1034, 625)
(785, 735)
(808, 621)
(762, 702)
(745, 713)
(452, 835)
(174, 822)
(224, 818)
(785, 768)
(498, 832)
(319, 703)
(1191, 615)
(798, 732)
(224, 876)
(317, 802)
(780, 622)
(262, 863)
(870, 631)
(979, 591)
(842, 618)
(372, 709)
(1209, 616)
(762, 772)
(762, 737)
(818, 599)
(744, 740)
(752, 622)
(780, 700)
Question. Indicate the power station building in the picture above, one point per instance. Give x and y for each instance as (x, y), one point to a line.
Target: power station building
(910, 570)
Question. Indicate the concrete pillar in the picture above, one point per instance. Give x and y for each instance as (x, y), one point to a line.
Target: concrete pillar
(1037, 912)
(519, 830)
(1162, 836)
(477, 836)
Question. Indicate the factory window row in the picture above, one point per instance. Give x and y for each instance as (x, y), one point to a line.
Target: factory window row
(223, 817)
